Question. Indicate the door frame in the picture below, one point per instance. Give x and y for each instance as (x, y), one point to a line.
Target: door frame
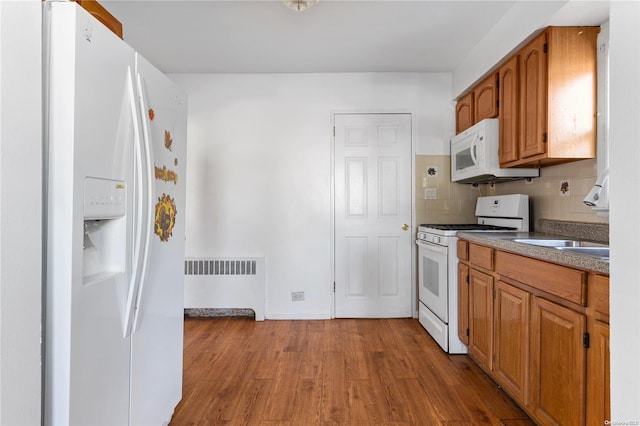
(332, 172)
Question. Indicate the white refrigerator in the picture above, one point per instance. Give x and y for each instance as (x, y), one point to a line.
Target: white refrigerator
(116, 155)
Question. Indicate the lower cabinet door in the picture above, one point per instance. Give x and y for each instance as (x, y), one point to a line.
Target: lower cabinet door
(481, 317)
(558, 360)
(463, 303)
(511, 339)
(598, 392)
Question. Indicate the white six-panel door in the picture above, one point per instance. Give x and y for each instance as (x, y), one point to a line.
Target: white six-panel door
(373, 215)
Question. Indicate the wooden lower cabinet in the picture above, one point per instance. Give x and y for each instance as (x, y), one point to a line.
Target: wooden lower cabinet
(533, 329)
(481, 317)
(598, 384)
(598, 362)
(463, 303)
(558, 363)
(511, 339)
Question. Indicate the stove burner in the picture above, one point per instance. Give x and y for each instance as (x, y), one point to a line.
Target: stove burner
(467, 227)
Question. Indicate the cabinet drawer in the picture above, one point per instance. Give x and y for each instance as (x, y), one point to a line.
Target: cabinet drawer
(463, 250)
(569, 284)
(599, 294)
(481, 256)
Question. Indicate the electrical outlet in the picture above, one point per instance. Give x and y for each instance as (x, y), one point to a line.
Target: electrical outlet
(297, 296)
(431, 193)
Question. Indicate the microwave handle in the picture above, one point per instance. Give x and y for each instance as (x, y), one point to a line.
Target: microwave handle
(473, 148)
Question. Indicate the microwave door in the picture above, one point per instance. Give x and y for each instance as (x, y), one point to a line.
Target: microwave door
(466, 154)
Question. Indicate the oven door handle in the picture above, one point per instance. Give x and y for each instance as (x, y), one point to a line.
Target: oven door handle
(432, 247)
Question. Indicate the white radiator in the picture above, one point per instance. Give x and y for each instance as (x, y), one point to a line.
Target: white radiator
(225, 283)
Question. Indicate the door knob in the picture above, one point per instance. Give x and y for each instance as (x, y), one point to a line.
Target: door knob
(405, 227)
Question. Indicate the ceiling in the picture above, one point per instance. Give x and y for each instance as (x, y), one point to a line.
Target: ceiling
(264, 36)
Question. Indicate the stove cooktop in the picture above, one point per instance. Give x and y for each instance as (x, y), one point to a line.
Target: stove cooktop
(467, 227)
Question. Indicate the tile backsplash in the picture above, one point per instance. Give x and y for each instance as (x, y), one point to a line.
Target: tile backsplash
(454, 204)
(557, 194)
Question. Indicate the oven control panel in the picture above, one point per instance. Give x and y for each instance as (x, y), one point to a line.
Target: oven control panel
(431, 238)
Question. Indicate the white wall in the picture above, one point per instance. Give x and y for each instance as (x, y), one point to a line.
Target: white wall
(20, 212)
(259, 167)
(624, 135)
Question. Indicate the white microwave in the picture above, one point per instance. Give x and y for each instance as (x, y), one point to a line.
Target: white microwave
(474, 156)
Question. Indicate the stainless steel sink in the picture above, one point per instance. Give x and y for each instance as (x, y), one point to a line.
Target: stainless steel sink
(602, 252)
(574, 246)
(558, 242)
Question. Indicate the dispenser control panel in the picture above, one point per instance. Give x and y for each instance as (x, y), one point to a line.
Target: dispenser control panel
(104, 198)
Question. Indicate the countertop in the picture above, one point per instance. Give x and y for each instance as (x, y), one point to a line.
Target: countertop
(504, 241)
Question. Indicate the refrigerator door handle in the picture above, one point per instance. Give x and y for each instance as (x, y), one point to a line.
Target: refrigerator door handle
(138, 210)
(147, 148)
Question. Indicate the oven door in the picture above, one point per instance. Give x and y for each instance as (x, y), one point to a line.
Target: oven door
(433, 277)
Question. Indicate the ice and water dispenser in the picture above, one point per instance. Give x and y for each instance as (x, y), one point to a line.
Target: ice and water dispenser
(105, 229)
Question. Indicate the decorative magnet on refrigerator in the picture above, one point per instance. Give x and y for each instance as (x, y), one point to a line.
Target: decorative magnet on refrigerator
(152, 114)
(167, 140)
(165, 217)
(165, 174)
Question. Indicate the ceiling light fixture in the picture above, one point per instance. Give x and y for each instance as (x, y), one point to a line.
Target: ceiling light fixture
(300, 5)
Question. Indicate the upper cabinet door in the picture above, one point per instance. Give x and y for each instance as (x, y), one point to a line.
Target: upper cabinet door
(464, 113)
(547, 99)
(509, 107)
(533, 97)
(485, 97)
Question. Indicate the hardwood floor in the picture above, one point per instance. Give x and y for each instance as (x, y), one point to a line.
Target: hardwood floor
(334, 372)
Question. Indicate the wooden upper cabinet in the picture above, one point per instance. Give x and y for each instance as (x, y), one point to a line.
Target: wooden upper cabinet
(478, 104)
(544, 97)
(508, 114)
(556, 121)
(485, 98)
(571, 92)
(102, 15)
(464, 113)
(533, 97)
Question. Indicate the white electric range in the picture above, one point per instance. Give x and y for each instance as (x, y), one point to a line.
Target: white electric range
(438, 263)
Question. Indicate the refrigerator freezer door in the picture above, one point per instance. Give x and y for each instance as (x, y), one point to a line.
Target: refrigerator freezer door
(156, 375)
(91, 133)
